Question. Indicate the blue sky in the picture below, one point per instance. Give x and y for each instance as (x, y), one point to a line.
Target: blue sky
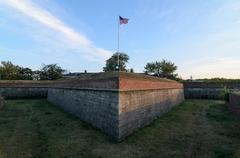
(202, 37)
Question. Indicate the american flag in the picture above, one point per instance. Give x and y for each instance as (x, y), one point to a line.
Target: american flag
(123, 20)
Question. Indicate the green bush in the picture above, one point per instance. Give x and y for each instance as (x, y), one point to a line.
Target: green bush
(225, 94)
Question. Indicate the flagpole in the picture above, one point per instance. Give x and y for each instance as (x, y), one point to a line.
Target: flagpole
(118, 35)
(118, 62)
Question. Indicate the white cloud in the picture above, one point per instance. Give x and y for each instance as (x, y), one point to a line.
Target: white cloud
(64, 35)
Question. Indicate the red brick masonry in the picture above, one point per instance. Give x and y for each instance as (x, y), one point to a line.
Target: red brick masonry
(109, 80)
(22, 83)
(136, 84)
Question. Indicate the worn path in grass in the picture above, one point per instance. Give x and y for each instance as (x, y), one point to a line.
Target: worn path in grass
(196, 128)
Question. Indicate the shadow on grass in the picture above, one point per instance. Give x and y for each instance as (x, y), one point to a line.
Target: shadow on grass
(196, 128)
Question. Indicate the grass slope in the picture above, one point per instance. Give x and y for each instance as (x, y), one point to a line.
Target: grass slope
(196, 128)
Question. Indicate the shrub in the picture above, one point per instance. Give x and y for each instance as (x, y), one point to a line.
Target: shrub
(225, 93)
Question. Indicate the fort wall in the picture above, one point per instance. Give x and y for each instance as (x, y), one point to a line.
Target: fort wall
(117, 103)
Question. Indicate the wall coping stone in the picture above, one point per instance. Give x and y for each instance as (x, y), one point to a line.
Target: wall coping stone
(110, 81)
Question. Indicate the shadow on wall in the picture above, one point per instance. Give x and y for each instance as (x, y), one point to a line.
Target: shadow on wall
(24, 93)
(1, 102)
(196, 90)
(203, 93)
(234, 103)
(208, 93)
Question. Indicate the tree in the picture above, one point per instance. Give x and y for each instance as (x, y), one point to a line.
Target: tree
(25, 73)
(150, 67)
(153, 67)
(163, 68)
(36, 75)
(8, 71)
(112, 62)
(51, 72)
(167, 67)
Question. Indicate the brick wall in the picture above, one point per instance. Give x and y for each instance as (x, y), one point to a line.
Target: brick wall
(97, 107)
(23, 92)
(1, 101)
(117, 103)
(133, 84)
(196, 90)
(234, 103)
(144, 82)
(229, 85)
(138, 108)
(24, 83)
(203, 93)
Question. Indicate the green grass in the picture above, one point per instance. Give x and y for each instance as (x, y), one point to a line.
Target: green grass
(196, 128)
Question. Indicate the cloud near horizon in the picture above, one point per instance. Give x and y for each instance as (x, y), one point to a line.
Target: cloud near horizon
(65, 35)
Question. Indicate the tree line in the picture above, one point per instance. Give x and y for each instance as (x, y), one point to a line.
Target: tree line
(215, 80)
(161, 68)
(9, 71)
(117, 62)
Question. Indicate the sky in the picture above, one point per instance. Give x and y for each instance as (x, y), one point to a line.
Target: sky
(202, 37)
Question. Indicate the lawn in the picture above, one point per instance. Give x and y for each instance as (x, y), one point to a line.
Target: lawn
(196, 128)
